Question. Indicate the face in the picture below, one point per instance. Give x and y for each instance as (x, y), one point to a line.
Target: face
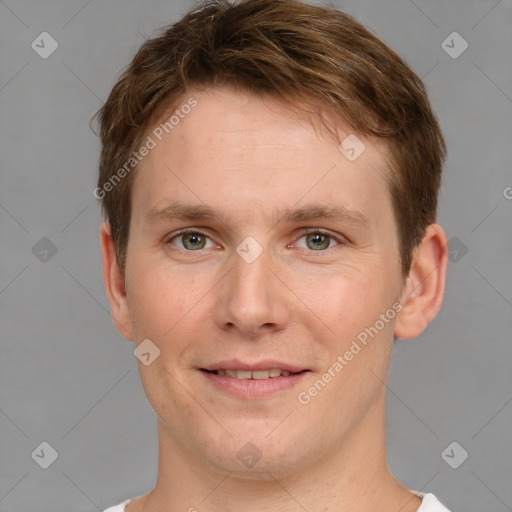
(264, 265)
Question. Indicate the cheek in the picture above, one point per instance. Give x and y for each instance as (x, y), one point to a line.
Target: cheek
(168, 398)
(351, 306)
(160, 298)
(346, 302)
(171, 308)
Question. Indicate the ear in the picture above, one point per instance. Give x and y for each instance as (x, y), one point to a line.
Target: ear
(114, 284)
(422, 295)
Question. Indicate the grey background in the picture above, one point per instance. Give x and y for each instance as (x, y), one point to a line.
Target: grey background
(66, 375)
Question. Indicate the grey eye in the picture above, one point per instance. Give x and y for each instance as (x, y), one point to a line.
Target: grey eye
(191, 241)
(318, 241)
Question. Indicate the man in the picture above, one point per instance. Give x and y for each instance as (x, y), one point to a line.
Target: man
(269, 177)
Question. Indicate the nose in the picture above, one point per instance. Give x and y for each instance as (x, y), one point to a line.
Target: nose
(252, 301)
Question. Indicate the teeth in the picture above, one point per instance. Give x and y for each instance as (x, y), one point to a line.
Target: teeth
(243, 374)
(260, 374)
(257, 374)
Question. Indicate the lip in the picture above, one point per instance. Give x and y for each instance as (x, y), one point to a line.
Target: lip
(253, 388)
(236, 364)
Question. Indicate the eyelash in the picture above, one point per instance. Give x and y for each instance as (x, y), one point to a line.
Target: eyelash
(307, 231)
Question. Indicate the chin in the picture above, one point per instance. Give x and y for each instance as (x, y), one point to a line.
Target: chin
(256, 457)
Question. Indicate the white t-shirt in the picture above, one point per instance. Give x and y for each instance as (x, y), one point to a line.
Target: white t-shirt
(429, 504)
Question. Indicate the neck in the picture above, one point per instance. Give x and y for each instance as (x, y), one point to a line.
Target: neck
(353, 478)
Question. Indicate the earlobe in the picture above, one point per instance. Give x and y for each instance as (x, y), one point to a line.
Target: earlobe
(114, 284)
(423, 292)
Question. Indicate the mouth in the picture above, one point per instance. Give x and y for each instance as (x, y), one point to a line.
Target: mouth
(271, 373)
(253, 381)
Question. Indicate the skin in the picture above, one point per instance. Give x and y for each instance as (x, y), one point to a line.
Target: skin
(250, 157)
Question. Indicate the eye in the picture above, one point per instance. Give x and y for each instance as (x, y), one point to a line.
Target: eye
(317, 241)
(191, 241)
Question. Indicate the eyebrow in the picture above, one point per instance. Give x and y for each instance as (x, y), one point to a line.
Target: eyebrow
(319, 212)
(313, 212)
(178, 210)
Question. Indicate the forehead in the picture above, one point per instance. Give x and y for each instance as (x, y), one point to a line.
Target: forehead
(225, 115)
(236, 150)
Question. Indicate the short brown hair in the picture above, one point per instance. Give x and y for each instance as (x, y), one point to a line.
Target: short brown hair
(300, 53)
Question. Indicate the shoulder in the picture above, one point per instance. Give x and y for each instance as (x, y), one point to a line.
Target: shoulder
(429, 503)
(118, 508)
